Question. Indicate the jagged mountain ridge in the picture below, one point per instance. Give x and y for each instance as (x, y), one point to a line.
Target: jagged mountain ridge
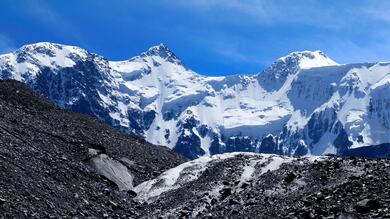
(304, 103)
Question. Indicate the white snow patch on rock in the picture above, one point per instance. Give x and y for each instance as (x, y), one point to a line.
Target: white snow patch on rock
(114, 171)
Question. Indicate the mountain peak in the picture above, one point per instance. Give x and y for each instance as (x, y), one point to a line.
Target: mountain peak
(308, 59)
(52, 49)
(162, 51)
(47, 45)
(159, 47)
(40, 47)
(291, 64)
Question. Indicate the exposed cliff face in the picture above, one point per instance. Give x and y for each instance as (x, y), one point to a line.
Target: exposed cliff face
(303, 104)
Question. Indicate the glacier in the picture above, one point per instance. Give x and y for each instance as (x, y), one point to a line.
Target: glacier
(303, 104)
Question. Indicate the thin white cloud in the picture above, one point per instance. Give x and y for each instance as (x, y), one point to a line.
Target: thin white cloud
(6, 44)
(250, 7)
(351, 31)
(233, 53)
(377, 9)
(52, 19)
(321, 14)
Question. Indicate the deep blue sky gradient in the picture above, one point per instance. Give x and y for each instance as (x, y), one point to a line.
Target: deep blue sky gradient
(212, 37)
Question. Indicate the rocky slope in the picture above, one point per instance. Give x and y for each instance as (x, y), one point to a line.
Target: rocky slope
(303, 104)
(62, 164)
(247, 185)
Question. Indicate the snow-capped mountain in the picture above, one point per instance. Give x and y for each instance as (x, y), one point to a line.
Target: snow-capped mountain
(303, 104)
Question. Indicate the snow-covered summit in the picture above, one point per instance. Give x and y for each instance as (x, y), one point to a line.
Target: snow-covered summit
(52, 50)
(51, 46)
(26, 62)
(159, 50)
(303, 104)
(308, 59)
(163, 52)
(283, 69)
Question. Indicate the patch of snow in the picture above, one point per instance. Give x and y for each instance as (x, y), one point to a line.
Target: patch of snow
(177, 176)
(275, 162)
(113, 170)
(309, 59)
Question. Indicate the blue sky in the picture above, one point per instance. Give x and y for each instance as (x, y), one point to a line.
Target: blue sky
(212, 37)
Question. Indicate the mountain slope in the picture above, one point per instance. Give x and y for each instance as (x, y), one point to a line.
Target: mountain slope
(303, 104)
(63, 164)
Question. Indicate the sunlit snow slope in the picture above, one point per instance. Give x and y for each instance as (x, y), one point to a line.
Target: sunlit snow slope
(303, 104)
